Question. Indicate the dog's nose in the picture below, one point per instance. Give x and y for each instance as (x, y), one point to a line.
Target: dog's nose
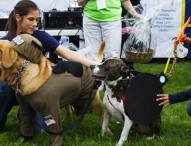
(92, 67)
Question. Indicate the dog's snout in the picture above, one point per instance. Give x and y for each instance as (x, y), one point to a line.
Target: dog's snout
(92, 67)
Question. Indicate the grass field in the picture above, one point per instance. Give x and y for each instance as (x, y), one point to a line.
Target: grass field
(175, 130)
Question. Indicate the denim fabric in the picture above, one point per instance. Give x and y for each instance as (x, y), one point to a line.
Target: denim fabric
(7, 101)
(189, 108)
(40, 124)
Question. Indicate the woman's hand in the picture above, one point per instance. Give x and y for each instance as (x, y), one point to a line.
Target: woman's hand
(164, 98)
(11, 80)
(138, 16)
(82, 2)
(187, 40)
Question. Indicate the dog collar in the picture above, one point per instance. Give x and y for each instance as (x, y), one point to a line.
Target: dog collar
(19, 74)
(120, 88)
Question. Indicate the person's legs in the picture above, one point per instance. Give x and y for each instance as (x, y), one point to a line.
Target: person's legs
(189, 108)
(39, 123)
(7, 101)
(112, 35)
(92, 36)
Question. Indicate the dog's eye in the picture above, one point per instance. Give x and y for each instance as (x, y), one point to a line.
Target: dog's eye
(107, 65)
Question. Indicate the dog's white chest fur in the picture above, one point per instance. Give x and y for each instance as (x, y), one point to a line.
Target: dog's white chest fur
(114, 107)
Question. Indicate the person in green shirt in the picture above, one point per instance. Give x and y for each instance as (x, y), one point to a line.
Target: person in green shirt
(102, 22)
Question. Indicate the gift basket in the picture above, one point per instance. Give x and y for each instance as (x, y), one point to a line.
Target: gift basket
(141, 44)
(140, 48)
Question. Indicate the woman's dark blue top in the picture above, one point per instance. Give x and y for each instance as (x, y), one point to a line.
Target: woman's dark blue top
(49, 43)
(180, 96)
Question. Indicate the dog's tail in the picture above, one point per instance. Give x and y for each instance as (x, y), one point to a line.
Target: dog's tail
(100, 52)
(99, 59)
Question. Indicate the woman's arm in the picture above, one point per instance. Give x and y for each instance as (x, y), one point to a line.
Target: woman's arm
(73, 56)
(166, 99)
(81, 2)
(180, 96)
(187, 39)
(129, 7)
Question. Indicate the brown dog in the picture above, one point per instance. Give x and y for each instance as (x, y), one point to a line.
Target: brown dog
(41, 90)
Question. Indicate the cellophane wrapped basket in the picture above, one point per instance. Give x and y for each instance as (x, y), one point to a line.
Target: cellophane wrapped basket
(140, 46)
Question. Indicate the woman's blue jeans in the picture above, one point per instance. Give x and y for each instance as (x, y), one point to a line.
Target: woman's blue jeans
(7, 101)
(189, 108)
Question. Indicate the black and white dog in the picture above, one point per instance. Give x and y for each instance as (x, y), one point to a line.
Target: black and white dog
(116, 75)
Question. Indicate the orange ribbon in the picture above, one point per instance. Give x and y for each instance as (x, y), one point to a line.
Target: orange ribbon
(181, 34)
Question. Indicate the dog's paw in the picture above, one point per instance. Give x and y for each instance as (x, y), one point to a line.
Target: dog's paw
(69, 111)
(119, 123)
(103, 132)
(151, 137)
(107, 132)
(120, 143)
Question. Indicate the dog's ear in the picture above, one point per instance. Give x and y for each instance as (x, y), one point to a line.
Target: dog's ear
(128, 63)
(8, 55)
(125, 69)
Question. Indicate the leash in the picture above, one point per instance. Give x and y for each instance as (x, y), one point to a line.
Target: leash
(88, 101)
(178, 39)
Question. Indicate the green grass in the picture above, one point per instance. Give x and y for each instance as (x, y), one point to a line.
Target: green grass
(175, 130)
